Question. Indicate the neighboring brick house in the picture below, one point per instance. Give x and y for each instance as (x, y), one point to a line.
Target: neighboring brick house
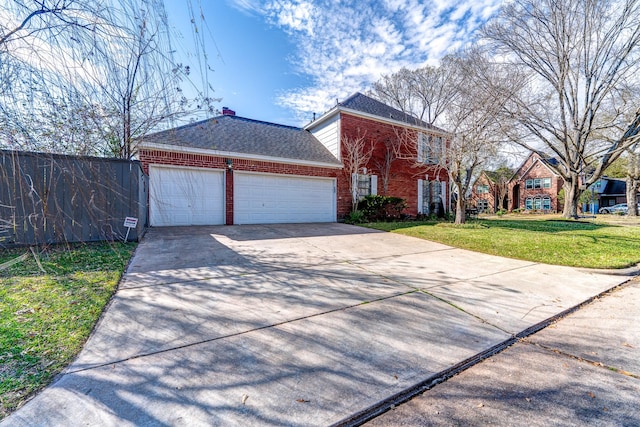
(405, 158)
(488, 192)
(535, 186)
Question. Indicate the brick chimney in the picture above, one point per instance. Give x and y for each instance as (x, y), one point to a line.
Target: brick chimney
(228, 112)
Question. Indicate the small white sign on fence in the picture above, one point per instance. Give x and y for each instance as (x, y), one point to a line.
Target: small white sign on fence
(130, 222)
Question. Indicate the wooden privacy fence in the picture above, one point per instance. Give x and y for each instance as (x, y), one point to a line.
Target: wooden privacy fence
(51, 198)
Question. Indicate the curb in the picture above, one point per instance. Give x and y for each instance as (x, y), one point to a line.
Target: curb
(410, 392)
(634, 270)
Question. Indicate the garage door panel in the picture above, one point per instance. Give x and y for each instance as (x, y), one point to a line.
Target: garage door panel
(184, 196)
(263, 198)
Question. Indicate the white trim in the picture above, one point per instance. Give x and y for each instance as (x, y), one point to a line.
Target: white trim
(243, 156)
(420, 195)
(374, 185)
(198, 168)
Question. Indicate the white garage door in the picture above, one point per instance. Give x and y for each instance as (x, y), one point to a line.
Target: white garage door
(185, 196)
(265, 199)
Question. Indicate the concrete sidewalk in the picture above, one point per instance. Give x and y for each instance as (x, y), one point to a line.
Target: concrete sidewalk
(293, 325)
(582, 370)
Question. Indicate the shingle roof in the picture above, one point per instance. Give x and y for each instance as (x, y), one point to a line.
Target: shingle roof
(246, 136)
(365, 104)
(615, 186)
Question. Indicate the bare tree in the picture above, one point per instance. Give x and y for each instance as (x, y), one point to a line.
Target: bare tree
(48, 14)
(500, 178)
(465, 94)
(92, 77)
(582, 60)
(633, 172)
(392, 148)
(356, 153)
(423, 93)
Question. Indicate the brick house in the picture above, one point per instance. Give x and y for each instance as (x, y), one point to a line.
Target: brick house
(488, 192)
(404, 161)
(235, 170)
(535, 186)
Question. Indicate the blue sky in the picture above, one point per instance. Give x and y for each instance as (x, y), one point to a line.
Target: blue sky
(283, 60)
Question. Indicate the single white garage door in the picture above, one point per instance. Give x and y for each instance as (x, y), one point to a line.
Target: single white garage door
(185, 196)
(266, 199)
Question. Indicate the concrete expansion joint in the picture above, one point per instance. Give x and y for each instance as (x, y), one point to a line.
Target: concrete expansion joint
(236, 334)
(582, 359)
(481, 319)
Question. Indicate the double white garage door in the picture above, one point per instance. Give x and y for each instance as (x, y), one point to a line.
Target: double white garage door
(190, 196)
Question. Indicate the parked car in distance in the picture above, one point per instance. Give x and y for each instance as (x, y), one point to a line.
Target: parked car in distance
(620, 208)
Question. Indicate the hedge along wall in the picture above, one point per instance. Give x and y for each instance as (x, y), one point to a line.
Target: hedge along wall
(50, 198)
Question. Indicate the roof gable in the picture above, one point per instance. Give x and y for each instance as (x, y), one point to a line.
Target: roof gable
(236, 134)
(372, 108)
(366, 104)
(535, 157)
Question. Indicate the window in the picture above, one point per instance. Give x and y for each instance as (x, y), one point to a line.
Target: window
(422, 148)
(364, 185)
(538, 183)
(482, 189)
(429, 193)
(483, 205)
(430, 148)
(538, 203)
(528, 204)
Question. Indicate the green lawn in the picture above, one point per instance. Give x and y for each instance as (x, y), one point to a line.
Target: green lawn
(46, 318)
(573, 243)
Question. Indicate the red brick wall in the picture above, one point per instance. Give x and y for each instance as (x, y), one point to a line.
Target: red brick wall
(405, 173)
(538, 170)
(490, 197)
(159, 157)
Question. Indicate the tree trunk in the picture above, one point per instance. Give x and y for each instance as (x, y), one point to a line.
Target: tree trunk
(632, 198)
(571, 198)
(460, 209)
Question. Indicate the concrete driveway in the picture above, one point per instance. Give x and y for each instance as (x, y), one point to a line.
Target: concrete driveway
(310, 324)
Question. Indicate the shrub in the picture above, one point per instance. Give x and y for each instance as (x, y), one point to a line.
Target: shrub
(501, 212)
(382, 208)
(354, 217)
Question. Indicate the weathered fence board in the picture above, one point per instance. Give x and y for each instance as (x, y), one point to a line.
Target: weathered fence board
(49, 198)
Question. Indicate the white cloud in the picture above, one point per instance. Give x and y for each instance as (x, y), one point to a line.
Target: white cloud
(247, 6)
(344, 46)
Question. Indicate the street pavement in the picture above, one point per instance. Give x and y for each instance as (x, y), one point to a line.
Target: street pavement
(310, 324)
(583, 370)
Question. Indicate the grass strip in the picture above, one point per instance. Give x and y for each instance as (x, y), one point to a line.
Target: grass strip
(550, 241)
(45, 319)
